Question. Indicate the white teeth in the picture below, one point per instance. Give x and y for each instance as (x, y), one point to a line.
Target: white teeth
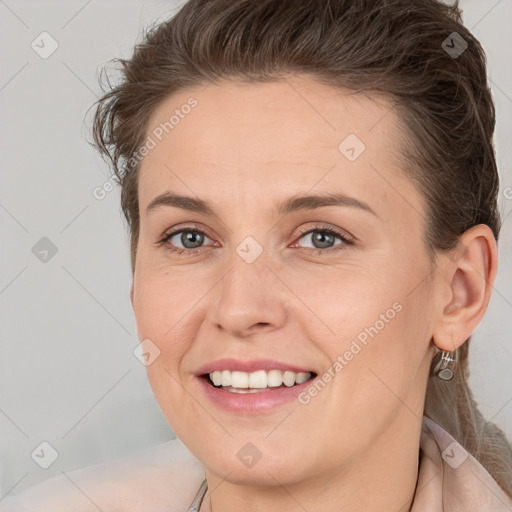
(239, 379)
(289, 379)
(302, 377)
(226, 378)
(258, 380)
(274, 378)
(216, 378)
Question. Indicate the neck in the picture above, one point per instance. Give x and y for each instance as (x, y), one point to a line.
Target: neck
(383, 478)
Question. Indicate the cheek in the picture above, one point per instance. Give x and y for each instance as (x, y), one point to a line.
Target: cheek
(377, 319)
(376, 361)
(162, 301)
(349, 299)
(383, 351)
(162, 308)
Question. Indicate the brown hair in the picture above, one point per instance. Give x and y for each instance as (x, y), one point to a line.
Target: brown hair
(396, 48)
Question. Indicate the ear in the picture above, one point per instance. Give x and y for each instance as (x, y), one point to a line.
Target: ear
(467, 273)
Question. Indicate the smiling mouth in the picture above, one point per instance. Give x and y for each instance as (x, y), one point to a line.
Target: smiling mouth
(256, 382)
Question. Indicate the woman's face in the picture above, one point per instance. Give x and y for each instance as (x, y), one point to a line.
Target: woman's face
(262, 279)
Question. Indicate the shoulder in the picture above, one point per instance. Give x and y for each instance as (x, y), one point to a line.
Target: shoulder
(463, 480)
(163, 478)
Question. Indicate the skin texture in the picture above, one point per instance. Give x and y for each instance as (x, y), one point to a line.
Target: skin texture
(244, 148)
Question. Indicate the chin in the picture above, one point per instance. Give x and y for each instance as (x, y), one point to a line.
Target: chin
(242, 463)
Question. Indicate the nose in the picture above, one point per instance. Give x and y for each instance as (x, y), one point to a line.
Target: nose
(248, 300)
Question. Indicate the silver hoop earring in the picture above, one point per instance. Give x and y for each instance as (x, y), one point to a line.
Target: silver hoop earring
(445, 364)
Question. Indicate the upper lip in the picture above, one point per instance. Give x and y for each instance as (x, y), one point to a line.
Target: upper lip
(249, 366)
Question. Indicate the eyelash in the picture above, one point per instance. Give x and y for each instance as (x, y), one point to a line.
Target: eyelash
(320, 228)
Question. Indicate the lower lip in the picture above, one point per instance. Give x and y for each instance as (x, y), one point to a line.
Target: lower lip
(252, 403)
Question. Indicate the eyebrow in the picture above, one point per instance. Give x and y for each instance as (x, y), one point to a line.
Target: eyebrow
(290, 205)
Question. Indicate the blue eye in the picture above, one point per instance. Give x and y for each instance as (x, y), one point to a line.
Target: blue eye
(192, 239)
(324, 238)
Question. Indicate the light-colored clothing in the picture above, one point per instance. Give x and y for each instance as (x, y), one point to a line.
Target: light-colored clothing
(166, 478)
(451, 480)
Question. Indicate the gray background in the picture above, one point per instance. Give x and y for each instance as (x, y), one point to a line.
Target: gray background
(68, 375)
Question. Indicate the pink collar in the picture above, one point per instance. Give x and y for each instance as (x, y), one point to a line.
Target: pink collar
(452, 480)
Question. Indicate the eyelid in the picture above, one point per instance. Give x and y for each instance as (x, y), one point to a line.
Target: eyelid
(344, 236)
(169, 233)
(328, 228)
(185, 227)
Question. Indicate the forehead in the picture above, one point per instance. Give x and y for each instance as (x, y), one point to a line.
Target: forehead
(271, 116)
(263, 139)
